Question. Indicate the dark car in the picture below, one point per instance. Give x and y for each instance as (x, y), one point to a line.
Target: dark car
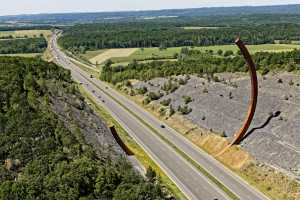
(162, 126)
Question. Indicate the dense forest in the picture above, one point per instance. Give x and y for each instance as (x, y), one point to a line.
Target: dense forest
(26, 45)
(196, 62)
(42, 159)
(164, 34)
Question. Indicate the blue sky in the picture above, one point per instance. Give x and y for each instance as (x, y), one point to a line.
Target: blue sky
(11, 7)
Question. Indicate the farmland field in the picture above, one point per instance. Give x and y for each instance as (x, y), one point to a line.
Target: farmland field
(128, 55)
(20, 37)
(25, 55)
(91, 54)
(112, 53)
(254, 48)
(149, 54)
(23, 33)
(198, 27)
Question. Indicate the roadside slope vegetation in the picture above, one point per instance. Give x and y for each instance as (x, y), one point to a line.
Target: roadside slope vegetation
(43, 150)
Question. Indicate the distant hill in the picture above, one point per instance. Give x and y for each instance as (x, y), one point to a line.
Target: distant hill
(69, 18)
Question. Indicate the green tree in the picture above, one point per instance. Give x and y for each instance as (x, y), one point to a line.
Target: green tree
(228, 53)
(150, 174)
(220, 52)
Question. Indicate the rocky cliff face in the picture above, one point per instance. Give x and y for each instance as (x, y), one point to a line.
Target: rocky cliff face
(79, 117)
(221, 107)
(52, 145)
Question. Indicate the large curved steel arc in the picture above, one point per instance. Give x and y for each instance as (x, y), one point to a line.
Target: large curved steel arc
(239, 135)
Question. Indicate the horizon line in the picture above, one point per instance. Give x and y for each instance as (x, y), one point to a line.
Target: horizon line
(144, 10)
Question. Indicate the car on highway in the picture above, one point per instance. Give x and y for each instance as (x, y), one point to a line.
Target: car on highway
(162, 126)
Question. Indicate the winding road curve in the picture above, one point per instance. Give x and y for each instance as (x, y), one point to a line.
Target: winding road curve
(189, 180)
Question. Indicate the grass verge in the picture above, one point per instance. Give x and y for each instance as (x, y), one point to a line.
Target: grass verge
(135, 148)
(274, 184)
(91, 71)
(184, 155)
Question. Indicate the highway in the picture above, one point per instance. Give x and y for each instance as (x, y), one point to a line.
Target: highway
(188, 179)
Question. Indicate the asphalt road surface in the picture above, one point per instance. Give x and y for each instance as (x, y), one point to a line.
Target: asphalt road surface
(189, 180)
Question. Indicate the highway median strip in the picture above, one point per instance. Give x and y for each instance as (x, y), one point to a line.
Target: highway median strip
(214, 180)
(140, 154)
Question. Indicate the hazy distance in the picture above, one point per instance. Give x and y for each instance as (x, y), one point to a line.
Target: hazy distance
(15, 7)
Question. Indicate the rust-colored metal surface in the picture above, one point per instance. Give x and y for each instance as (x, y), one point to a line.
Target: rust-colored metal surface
(239, 135)
(120, 142)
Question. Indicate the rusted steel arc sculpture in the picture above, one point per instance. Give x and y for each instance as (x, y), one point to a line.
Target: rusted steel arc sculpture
(239, 135)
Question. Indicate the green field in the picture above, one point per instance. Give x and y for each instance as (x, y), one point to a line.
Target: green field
(150, 54)
(24, 33)
(295, 42)
(254, 48)
(156, 53)
(111, 54)
(91, 54)
(198, 27)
